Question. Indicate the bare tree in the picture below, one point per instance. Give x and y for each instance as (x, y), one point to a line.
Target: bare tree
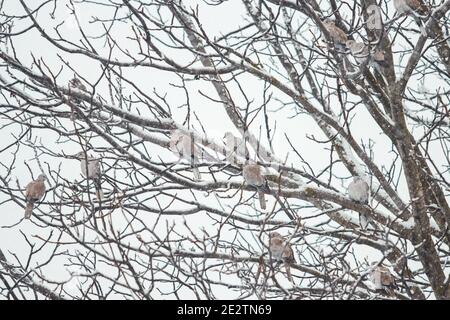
(142, 114)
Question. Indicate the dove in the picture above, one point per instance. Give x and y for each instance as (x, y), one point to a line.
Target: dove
(280, 250)
(358, 190)
(359, 50)
(34, 192)
(253, 176)
(183, 145)
(411, 7)
(75, 84)
(414, 8)
(374, 18)
(383, 279)
(91, 169)
(338, 36)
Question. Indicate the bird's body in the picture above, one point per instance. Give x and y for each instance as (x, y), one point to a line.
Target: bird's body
(281, 250)
(383, 279)
(75, 84)
(91, 169)
(359, 51)
(34, 192)
(374, 18)
(338, 36)
(410, 7)
(414, 8)
(183, 145)
(253, 176)
(358, 190)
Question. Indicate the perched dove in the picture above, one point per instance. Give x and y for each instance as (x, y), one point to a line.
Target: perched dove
(34, 192)
(253, 176)
(280, 250)
(183, 145)
(414, 8)
(383, 279)
(411, 7)
(91, 169)
(338, 36)
(75, 84)
(358, 190)
(234, 148)
(374, 18)
(379, 60)
(359, 50)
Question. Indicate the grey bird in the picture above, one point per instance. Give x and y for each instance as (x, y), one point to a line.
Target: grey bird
(359, 51)
(281, 250)
(414, 8)
(338, 36)
(91, 169)
(184, 146)
(34, 192)
(358, 190)
(253, 176)
(74, 85)
(382, 279)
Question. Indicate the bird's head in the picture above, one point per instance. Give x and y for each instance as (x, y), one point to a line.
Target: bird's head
(228, 135)
(329, 21)
(42, 177)
(75, 82)
(80, 155)
(274, 235)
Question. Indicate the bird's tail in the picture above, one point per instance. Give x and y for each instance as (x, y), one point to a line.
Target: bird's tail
(29, 209)
(98, 189)
(363, 221)
(196, 173)
(262, 200)
(288, 271)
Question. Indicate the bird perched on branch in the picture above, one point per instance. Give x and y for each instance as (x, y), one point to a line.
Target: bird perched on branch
(358, 190)
(338, 36)
(75, 84)
(253, 176)
(383, 280)
(183, 145)
(91, 169)
(374, 19)
(358, 50)
(34, 192)
(281, 250)
(414, 8)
